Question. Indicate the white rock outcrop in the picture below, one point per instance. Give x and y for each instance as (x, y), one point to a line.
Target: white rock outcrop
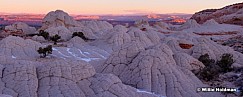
(61, 31)
(61, 78)
(39, 38)
(20, 28)
(76, 42)
(189, 24)
(154, 70)
(58, 18)
(18, 48)
(207, 46)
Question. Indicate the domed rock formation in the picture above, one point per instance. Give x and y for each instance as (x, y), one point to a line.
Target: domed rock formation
(207, 46)
(113, 38)
(76, 42)
(153, 70)
(38, 38)
(189, 24)
(163, 25)
(61, 21)
(97, 25)
(147, 39)
(210, 22)
(62, 78)
(19, 28)
(58, 18)
(17, 48)
(61, 31)
(188, 62)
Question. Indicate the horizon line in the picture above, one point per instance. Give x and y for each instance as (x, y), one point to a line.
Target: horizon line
(132, 14)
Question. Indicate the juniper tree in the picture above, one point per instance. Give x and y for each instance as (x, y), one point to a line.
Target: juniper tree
(80, 34)
(44, 34)
(45, 51)
(55, 38)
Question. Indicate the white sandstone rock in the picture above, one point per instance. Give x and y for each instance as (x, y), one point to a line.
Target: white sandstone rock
(58, 18)
(20, 27)
(39, 38)
(153, 70)
(61, 31)
(18, 48)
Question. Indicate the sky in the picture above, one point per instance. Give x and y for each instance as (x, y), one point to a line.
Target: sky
(114, 7)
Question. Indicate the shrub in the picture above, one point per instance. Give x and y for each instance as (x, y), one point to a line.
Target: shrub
(212, 69)
(55, 38)
(1, 28)
(206, 60)
(209, 72)
(45, 51)
(79, 34)
(44, 34)
(225, 62)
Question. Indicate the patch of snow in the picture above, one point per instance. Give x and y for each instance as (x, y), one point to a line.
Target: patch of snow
(82, 53)
(13, 57)
(142, 91)
(87, 53)
(60, 52)
(238, 74)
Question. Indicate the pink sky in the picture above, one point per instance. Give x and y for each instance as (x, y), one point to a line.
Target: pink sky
(111, 6)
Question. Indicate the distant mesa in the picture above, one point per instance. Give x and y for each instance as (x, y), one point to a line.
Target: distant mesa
(153, 16)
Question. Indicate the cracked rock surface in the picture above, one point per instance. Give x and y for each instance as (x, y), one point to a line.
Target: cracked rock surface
(61, 78)
(155, 70)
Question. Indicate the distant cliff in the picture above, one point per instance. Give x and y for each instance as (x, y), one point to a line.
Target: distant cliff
(232, 14)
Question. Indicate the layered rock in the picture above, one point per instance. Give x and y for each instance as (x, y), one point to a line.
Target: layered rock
(184, 44)
(19, 28)
(230, 14)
